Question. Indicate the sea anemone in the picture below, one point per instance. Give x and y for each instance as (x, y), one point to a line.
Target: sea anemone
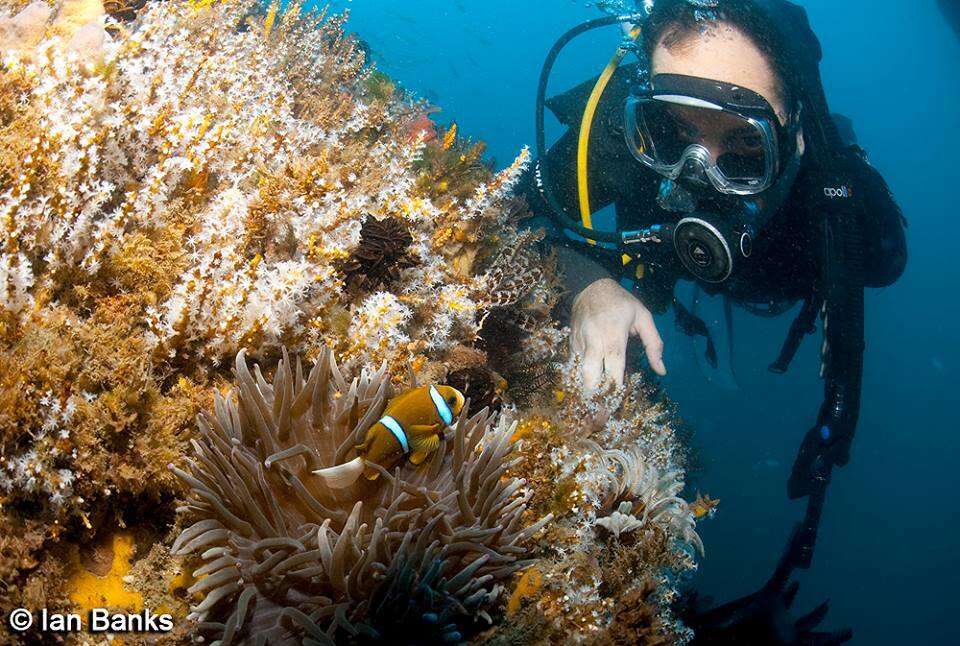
(655, 493)
(289, 560)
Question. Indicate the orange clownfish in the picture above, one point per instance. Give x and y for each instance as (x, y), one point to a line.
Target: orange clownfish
(411, 427)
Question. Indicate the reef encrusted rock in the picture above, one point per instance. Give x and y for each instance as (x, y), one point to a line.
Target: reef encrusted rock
(75, 25)
(199, 192)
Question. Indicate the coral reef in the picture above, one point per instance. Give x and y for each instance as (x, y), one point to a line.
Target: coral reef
(189, 181)
(265, 176)
(289, 560)
(187, 189)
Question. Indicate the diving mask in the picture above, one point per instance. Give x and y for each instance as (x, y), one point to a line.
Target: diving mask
(709, 133)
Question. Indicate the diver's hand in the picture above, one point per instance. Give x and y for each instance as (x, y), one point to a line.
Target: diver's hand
(604, 317)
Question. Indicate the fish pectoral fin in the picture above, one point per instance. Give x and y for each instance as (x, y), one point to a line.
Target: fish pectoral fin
(423, 448)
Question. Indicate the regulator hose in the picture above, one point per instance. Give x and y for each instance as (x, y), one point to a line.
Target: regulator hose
(543, 173)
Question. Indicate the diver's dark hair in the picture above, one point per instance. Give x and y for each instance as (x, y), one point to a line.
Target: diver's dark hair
(677, 20)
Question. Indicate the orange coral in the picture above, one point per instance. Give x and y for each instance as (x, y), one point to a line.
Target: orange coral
(99, 583)
(527, 587)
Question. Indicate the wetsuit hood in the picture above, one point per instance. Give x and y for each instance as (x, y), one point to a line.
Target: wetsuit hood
(792, 30)
(787, 28)
(783, 24)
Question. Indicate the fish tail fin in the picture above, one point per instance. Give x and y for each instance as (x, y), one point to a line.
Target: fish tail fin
(342, 475)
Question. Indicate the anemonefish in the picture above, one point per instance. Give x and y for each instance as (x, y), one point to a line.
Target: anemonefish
(411, 427)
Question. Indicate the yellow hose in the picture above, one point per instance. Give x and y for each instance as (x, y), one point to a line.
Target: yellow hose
(586, 215)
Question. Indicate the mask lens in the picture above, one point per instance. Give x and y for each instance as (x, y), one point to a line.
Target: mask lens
(742, 168)
(742, 154)
(663, 129)
(667, 126)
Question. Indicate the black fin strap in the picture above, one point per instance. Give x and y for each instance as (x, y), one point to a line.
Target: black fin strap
(801, 326)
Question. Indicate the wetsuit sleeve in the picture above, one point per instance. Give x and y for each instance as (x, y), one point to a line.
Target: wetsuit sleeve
(884, 234)
(655, 289)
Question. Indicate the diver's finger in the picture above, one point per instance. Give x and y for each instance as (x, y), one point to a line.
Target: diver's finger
(615, 362)
(592, 367)
(646, 329)
(576, 341)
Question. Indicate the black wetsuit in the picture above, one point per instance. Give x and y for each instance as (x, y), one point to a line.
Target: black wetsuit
(782, 267)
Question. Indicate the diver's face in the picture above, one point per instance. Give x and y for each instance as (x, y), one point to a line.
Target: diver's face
(722, 53)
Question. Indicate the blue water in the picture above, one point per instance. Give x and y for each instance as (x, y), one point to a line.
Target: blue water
(887, 554)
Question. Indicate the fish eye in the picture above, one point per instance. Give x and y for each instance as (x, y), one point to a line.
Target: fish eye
(451, 400)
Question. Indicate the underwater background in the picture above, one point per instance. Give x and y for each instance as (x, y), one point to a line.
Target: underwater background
(887, 554)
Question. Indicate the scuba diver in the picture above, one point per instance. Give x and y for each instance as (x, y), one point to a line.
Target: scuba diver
(725, 168)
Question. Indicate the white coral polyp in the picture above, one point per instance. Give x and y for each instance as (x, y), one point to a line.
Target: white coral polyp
(379, 326)
(16, 279)
(180, 125)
